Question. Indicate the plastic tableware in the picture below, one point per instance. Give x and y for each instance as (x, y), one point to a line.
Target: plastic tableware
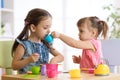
(35, 69)
(89, 70)
(51, 70)
(74, 73)
(43, 69)
(49, 38)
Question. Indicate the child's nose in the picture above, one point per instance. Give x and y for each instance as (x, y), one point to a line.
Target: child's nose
(79, 34)
(48, 31)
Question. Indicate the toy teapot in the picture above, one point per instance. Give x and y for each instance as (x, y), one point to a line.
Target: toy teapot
(102, 70)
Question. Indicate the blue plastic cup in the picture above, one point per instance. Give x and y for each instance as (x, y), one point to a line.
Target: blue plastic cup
(49, 38)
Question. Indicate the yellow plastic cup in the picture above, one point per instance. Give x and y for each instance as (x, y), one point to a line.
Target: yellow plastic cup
(74, 73)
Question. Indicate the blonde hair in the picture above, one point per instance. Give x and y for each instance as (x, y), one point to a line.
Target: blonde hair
(95, 22)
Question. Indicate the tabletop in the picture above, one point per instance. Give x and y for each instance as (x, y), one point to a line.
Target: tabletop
(62, 76)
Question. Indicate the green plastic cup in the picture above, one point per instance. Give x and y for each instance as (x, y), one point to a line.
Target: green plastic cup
(35, 69)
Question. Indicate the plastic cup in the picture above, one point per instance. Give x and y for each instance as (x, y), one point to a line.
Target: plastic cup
(91, 71)
(35, 69)
(48, 38)
(43, 69)
(74, 73)
(51, 70)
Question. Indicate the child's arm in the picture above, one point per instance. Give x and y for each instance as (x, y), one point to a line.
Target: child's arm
(58, 57)
(18, 63)
(72, 42)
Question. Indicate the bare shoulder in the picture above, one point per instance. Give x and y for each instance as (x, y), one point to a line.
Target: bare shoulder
(19, 52)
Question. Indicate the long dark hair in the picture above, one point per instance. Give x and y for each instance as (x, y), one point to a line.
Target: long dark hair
(34, 16)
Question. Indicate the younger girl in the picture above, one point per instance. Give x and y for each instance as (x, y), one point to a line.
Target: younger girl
(29, 48)
(89, 30)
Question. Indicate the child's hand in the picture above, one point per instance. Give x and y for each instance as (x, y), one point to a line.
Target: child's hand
(55, 34)
(53, 61)
(76, 59)
(34, 57)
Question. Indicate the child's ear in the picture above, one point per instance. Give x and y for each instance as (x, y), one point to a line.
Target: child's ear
(32, 28)
(94, 32)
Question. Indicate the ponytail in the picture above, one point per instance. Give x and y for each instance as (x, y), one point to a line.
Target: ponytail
(105, 30)
(23, 36)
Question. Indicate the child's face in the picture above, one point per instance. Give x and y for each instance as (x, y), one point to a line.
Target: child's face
(43, 28)
(84, 33)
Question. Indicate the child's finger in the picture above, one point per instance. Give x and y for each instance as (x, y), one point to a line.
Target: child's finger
(52, 33)
(79, 56)
(73, 56)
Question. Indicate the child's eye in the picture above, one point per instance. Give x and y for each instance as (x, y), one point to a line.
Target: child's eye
(45, 27)
(81, 31)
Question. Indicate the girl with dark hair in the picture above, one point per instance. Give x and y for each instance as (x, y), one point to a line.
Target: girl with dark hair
(29, 48)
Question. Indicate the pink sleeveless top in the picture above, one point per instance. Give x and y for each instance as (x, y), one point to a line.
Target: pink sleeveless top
(90, 59)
